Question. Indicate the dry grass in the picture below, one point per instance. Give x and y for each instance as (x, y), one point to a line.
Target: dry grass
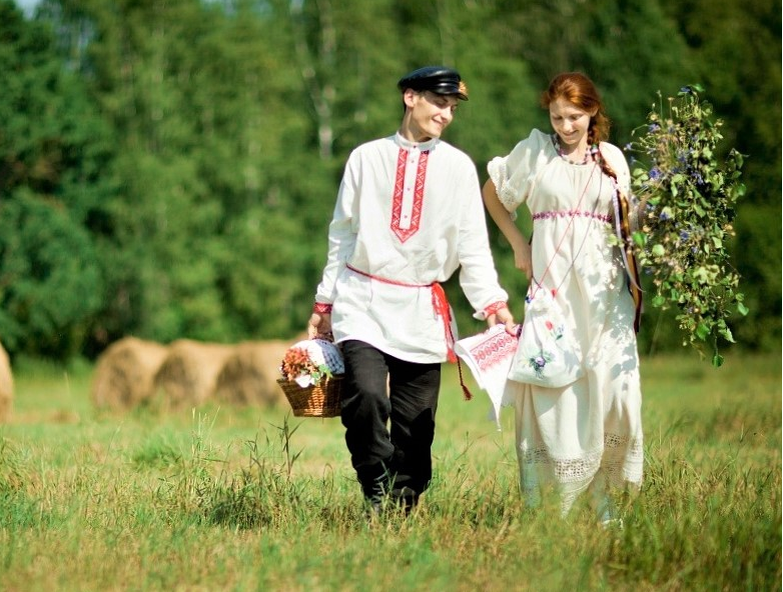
(188, 375)
(6, 386)
(124, 373)
(249, 376)
(242, 498)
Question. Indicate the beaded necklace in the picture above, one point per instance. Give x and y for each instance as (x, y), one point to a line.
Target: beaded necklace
(591, 151)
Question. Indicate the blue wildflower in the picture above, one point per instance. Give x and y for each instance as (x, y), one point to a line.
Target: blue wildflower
(653, 127)
(684, 235)
(664, 216)
(655, 173)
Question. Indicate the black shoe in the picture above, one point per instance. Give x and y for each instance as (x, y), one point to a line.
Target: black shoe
(374, 508)
(398, 502)
(375, 481)
(405, 498)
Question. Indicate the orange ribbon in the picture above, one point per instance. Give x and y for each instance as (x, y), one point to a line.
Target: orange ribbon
(629, 258)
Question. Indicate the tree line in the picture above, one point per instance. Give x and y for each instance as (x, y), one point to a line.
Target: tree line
(168, 168)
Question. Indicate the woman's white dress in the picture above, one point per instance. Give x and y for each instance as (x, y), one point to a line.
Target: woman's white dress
(587, 435)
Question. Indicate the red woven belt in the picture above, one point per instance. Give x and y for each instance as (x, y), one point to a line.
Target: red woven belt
(440, 304)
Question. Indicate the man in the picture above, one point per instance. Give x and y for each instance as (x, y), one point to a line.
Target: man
(409, 213)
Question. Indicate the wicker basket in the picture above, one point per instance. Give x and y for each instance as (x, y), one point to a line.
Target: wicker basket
(320, 400)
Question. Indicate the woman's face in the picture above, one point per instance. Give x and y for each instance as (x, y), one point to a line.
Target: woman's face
(570, 123)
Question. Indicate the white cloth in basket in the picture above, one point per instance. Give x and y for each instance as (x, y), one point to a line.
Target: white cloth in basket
(321, 353)
(489, 356)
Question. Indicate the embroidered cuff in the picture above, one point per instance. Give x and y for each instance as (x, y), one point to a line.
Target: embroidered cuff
(322, 308)
(494, 308)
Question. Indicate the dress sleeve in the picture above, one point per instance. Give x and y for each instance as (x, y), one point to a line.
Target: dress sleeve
(616, 160)
(515, 173)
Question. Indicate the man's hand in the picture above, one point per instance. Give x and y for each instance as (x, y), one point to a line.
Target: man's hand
(503, 317)
(320, 326)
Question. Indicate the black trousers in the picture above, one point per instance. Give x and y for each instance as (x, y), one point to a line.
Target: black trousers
(389, 434)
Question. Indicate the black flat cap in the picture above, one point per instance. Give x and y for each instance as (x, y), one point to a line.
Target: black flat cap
(437, 79)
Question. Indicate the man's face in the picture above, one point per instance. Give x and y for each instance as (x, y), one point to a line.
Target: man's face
(430, 113)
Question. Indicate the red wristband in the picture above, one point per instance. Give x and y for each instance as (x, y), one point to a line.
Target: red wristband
(494, 308)
(322, 308)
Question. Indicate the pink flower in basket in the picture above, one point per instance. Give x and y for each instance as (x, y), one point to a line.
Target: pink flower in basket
(309, 361)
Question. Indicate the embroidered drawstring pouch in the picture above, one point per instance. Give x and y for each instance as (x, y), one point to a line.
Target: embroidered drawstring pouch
(548, 353)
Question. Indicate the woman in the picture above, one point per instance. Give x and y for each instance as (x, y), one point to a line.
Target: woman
(588, 434)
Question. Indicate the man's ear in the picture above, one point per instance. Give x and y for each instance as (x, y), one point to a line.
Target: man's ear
(409, 97)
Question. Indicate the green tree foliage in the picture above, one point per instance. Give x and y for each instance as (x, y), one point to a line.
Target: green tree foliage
(203, 113)
(736, 52)
(50, 277)
(186, 154)
(53, 149)
(632, 50)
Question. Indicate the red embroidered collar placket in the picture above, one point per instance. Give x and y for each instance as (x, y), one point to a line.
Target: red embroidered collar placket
(408, 193)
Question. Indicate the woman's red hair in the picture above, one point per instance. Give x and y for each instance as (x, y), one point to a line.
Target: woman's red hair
(579, 90)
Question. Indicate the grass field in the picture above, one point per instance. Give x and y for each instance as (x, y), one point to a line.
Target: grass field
(249, 499)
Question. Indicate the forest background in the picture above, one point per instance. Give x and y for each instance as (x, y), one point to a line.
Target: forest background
(168, 168)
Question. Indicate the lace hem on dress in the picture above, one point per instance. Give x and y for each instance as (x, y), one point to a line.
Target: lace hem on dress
(620, 460)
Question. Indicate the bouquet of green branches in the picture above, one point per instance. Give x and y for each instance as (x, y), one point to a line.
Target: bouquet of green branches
(686, 222)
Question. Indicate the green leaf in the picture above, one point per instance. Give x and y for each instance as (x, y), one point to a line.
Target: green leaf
(639, 238)
(701, 274)
(727, 334)
(702, 331)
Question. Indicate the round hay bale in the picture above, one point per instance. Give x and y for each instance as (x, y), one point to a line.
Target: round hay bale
(249, 376)
(189, 373)
(124, 373)
(6, 386)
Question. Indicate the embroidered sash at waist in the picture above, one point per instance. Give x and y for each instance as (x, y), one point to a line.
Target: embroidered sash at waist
(549, 215)
(440, 303)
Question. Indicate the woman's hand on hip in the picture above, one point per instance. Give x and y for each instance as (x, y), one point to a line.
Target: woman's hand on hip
(523, 259)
